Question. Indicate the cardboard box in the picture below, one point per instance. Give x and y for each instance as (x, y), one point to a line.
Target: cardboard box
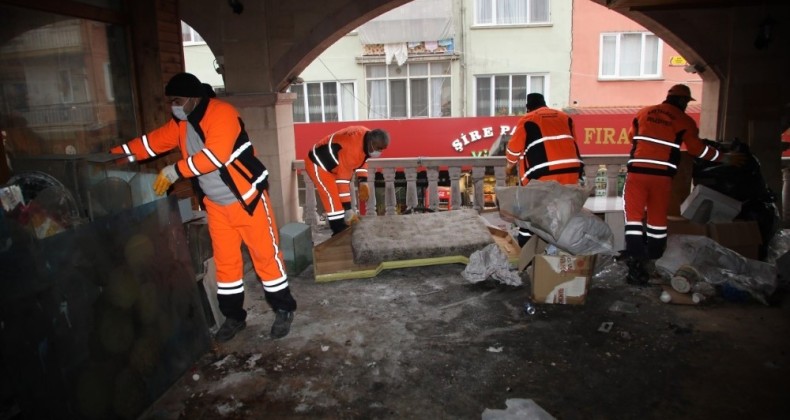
(682, 226)
(562, 278)
(740, 236)
(705, 205)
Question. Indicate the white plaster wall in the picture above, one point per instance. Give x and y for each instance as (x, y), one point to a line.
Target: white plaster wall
(199, 60)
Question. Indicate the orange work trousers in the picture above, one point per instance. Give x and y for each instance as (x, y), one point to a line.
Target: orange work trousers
(230, 225)
(326, 186)
(645, 203)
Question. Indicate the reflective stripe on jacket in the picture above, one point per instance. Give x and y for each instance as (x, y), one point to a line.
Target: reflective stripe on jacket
(342, 154)
(227, 148)
(544, 138)
(656, 136)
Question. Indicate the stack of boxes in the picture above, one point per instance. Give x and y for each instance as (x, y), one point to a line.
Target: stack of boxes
(709, 213)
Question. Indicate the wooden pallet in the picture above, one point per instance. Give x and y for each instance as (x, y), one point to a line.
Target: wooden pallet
(333, 259)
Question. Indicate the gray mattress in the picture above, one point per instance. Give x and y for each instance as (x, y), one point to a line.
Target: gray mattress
(412, 236)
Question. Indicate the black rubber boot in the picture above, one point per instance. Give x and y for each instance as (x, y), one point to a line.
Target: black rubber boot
(229, 329)
(337, 226)
(637, 273)
(282, 323)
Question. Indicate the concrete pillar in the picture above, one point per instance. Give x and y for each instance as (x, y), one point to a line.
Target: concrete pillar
(268, 119)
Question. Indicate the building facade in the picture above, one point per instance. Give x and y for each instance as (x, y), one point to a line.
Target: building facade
(479, 59)
(618, 63)
(434, 59)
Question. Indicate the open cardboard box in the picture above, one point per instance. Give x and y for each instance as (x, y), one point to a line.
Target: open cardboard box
(561, 278)
(741, 236)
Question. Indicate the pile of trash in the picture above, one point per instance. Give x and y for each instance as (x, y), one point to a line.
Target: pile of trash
(700, 268)
(556, 213)
(717, 266)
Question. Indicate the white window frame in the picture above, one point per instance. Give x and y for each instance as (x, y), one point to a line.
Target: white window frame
(408, 78)
(642, 59)
(193, 35)
(65, 86)
(497, 22)
(341, 103)
(492, 95)
(108, 87)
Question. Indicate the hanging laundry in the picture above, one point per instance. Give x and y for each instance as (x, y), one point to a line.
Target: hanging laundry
(447, 44)
(399, 51)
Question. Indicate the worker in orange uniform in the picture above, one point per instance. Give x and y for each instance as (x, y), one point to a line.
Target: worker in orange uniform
(544, 147)
(215, 149)
(656, 136)
(334, 160)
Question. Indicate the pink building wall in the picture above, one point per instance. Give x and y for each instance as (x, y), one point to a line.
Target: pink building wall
(590, 19)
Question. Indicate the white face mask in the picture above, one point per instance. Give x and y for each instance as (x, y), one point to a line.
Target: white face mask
(178, 111)
(373, 153)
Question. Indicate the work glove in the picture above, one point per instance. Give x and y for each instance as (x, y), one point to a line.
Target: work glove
(167, 176)
(364, 192)
(734, 159)
(351, 217)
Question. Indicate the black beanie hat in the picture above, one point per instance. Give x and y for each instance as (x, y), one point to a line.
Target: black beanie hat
(535, 100)
(186, 85)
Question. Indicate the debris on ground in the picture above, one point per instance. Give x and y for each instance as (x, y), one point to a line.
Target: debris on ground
(492, 262)
(518, 409)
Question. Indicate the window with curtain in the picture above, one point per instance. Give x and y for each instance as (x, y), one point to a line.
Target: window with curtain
(506, 94)
(409, 91)
(511, 12)
(630, 55)
(324, 101)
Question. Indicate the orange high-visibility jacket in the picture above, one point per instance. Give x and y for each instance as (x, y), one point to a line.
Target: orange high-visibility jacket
(656, 135)
(545, 140)
(227, 149)
(342, 154)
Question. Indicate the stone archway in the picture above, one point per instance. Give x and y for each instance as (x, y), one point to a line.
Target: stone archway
(270, 42)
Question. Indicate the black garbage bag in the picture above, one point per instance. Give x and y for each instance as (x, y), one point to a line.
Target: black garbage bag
(746, 184)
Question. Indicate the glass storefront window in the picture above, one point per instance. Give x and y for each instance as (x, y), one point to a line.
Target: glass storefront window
(65, 84)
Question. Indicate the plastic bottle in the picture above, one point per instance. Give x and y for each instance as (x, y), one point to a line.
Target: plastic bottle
(674, 296)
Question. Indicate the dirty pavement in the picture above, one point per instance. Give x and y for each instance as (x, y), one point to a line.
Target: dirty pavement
(423, 343)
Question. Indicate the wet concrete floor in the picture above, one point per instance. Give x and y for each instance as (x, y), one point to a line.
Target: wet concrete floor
(423, 343)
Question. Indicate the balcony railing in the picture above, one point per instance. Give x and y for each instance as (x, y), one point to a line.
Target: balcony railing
(69, 115)
(64, 35)
(475, 171)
